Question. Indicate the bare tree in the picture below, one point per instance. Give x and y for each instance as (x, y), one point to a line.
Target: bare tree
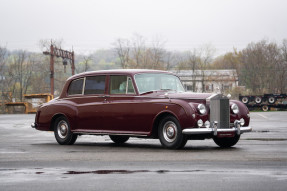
(194, 61)
(3, 53)
(87, 60)
(206, 56)
(156, 53)
(281, 68)
(138, 50)
(263, 67)
(169, 59)
(44, 44)
(20, 72)
(122, 47)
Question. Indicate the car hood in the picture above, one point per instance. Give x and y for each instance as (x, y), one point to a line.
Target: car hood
(188, 95)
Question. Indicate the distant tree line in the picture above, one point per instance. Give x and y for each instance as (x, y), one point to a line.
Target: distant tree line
(261, 66)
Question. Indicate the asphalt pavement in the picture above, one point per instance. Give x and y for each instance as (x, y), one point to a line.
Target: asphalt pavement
(32, 160)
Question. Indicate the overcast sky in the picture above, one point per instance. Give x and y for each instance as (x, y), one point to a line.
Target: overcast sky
(88, 25)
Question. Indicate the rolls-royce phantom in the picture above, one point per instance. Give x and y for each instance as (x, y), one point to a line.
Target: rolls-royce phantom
(143, 104)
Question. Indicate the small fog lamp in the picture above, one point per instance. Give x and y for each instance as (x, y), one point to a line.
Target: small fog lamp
(242, 121)
(200, 123)
(207, 124)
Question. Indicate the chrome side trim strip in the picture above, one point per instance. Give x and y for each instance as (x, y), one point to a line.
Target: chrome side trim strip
(103, 133)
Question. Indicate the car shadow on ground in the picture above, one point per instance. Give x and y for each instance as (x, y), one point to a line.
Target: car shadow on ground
(140, 146)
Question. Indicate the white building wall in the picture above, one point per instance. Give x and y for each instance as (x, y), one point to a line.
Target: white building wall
(216, 81)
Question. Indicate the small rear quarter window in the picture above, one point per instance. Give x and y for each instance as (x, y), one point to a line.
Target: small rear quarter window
(76, 87)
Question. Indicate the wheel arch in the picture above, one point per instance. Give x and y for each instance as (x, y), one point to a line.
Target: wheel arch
(157, 121)
(56, 116)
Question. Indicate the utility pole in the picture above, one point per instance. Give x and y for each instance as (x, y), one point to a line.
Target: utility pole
(65, 55)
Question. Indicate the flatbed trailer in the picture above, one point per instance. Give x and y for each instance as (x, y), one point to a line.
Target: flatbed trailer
(266, 107)
(264, 102)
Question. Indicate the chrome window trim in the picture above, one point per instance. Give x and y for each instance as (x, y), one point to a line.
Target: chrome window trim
(127, 87)
(84, 86)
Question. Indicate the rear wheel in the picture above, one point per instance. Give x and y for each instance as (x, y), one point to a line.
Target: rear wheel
(63, 133)
(226, 142)
(170, 133)
(119, 139)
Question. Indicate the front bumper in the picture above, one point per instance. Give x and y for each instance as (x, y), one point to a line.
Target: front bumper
(215, 130)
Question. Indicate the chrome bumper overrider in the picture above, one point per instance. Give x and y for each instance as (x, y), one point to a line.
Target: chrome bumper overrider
(214, 130)
(33, 125)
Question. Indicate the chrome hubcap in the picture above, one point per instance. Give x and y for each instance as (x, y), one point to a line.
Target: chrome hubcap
(62, 129)
(169, 131)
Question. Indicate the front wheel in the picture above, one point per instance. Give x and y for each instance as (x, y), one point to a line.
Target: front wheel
(63, 133)
(170, 133)
(226, 142)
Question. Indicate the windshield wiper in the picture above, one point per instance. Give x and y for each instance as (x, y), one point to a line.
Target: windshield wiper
(152, 91)
(148, 92)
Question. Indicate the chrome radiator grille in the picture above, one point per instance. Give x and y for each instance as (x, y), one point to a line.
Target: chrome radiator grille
(219, 110)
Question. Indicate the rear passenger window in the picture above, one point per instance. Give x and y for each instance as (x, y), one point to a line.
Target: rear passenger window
(76, 87)
(95, 85)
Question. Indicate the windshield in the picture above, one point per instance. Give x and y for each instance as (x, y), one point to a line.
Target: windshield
(153, 81)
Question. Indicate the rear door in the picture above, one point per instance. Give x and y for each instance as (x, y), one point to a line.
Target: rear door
(92, 103)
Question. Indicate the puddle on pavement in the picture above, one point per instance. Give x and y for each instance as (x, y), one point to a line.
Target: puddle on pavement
(128, 171)
(265, 139)
(41, 171)
(20, 175)
(266, 131)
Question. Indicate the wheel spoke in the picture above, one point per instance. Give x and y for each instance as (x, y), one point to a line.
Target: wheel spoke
(169, 131)
(62, 129)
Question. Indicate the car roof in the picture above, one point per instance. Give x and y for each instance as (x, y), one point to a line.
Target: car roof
(117, 71)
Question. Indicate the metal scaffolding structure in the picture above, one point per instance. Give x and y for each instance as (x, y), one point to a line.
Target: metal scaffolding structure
(60, 53)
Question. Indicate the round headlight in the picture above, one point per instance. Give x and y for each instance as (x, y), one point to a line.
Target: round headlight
(242, 121)
(235, 108)
(201, 108)
(200, 123)
(207, 124)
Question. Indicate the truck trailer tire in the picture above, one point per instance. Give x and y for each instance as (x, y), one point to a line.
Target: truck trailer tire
(265, 108)
(258, 99)
(245, 100)
(271, 100)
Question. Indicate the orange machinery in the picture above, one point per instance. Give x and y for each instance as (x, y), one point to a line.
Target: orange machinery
(31, 104)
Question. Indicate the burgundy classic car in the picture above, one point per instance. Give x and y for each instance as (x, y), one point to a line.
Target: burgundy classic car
(143, 104)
